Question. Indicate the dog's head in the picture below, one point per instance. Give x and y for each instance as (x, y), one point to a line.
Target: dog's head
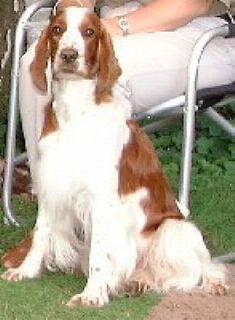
(77, 45)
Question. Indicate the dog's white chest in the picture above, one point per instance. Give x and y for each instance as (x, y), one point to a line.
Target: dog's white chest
(85, 150)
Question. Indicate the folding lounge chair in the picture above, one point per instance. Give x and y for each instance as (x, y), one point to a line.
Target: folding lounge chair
(205, 100)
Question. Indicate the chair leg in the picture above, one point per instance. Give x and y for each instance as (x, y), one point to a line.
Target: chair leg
(22, 25)
(11, 129)
(190, 109)
(230, 257)
(187, 150)
(189, 122)
(221, 121)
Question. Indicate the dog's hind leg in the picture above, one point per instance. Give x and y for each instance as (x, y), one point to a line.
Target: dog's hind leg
(180, 259)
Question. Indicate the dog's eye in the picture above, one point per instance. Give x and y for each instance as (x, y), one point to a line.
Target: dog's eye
(88, 32)
(57, 30)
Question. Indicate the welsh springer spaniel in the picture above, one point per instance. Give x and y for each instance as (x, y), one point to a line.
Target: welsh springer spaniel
(105, 207)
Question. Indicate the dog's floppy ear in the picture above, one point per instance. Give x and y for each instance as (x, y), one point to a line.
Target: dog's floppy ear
(109, 69)
(39, 64)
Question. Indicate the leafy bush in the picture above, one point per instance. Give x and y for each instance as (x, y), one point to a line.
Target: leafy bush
(2, 138)
(3, 116)
(214, 151)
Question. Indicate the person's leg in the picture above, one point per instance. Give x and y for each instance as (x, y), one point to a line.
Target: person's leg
(154, 65)
(32, 105)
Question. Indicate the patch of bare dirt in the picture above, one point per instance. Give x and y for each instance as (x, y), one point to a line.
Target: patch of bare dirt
(198, 305)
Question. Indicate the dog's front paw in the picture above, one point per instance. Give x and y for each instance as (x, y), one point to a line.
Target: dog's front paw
(13, 274)
(94, 298)
(83, 300)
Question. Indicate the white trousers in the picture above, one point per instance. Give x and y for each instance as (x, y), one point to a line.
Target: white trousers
(154, 67)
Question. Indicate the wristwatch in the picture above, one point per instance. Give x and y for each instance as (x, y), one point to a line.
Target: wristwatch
(123, 24)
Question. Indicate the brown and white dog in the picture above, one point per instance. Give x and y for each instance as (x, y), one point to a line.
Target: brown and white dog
(105, 207)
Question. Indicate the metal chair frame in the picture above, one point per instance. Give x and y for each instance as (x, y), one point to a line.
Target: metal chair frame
(186, 105)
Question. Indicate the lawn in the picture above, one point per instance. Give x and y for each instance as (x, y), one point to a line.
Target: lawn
(213, 210)
(45, 298)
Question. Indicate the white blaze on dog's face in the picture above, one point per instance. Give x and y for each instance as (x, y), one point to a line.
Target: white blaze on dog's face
(77, 46)
(74, 43)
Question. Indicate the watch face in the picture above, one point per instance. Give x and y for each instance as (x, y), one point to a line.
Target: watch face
(123, 24)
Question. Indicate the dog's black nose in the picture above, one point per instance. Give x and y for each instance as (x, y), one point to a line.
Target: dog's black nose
(69, 55)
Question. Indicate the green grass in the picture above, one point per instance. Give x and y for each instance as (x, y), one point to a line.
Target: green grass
(10, 235)
(213, 210)
(45, 298)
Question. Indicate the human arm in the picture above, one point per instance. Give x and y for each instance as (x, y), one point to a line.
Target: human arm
(161, 15)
